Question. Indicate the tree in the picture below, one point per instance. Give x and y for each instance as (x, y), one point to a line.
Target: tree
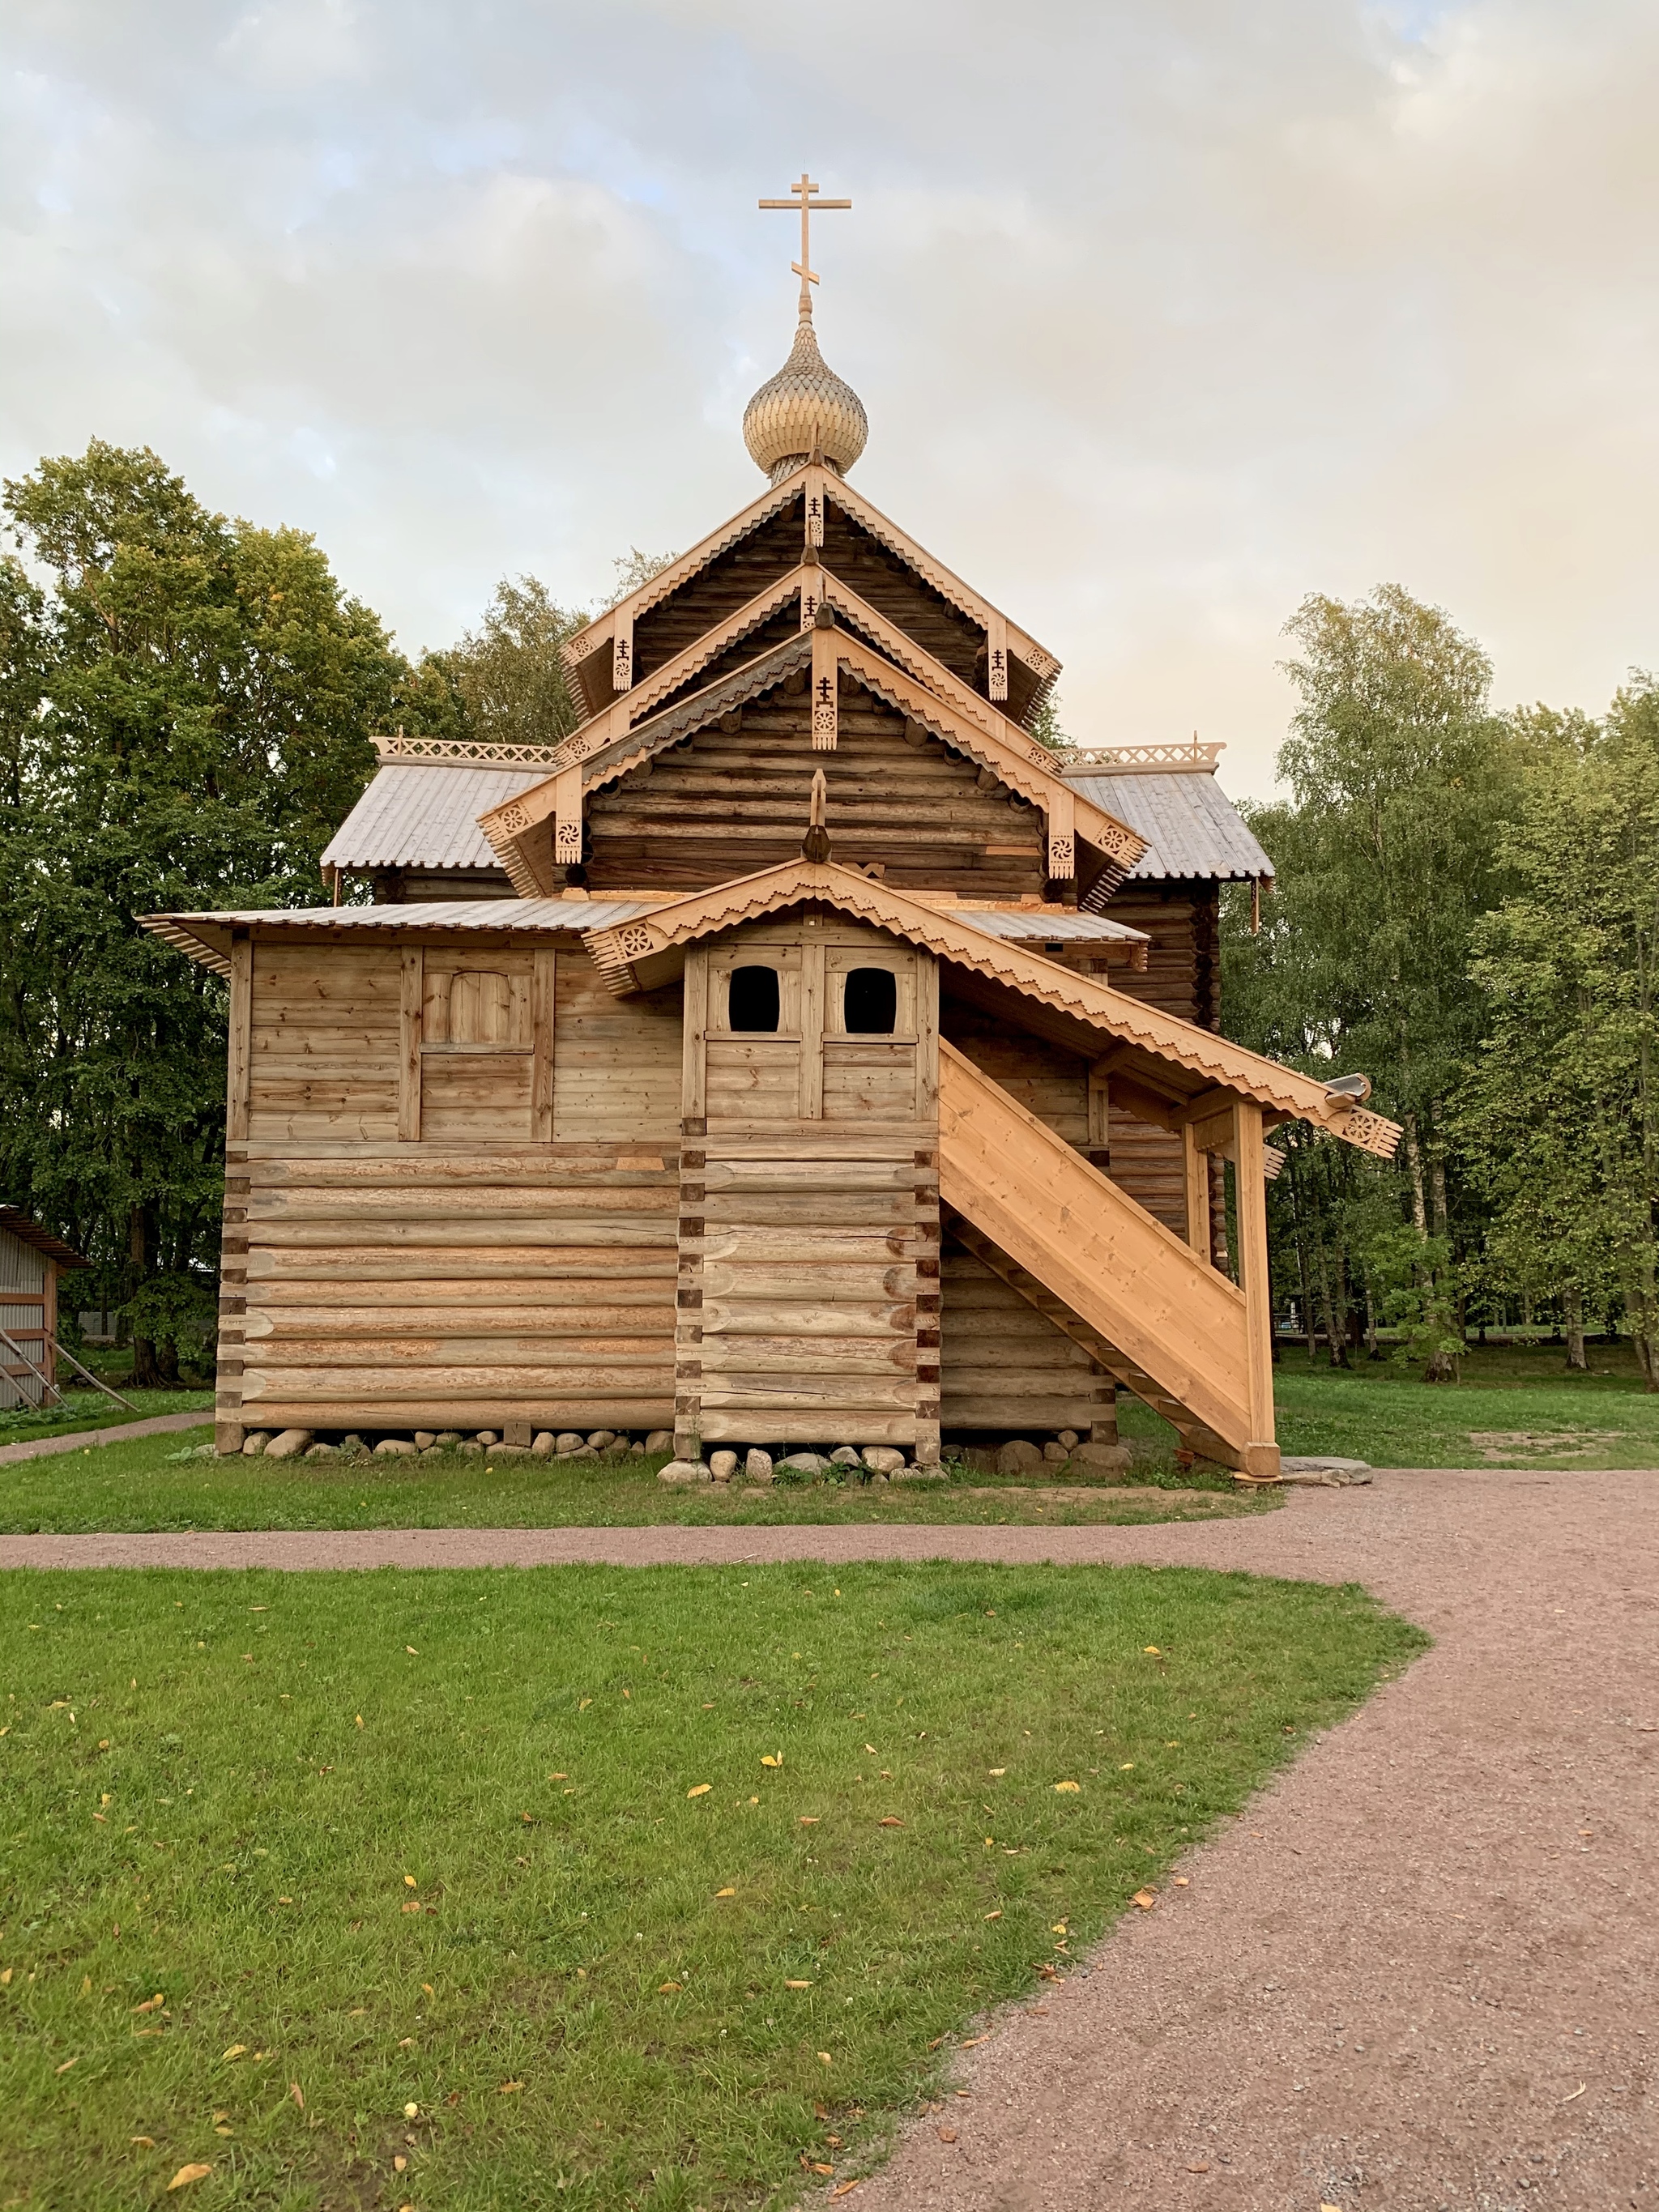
(1561, 1114)
(1387, 855)
(503, 683)
(186, 717)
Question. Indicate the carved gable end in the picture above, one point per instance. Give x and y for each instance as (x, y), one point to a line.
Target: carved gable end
(734, 797)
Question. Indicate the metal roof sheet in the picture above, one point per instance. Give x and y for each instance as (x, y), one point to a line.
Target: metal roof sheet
(1031, 926)
(206, 937)
(1191, 826)
(421, 814)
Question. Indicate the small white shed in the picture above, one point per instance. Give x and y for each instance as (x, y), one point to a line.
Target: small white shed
(31, 1261)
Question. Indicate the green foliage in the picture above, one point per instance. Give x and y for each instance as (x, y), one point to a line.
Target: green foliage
(1412, 1276)
(504, 682)
(1560, 1118)
(186, 717)
(1388, 854)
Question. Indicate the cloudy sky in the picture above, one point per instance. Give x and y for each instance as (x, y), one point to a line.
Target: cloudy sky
(1166, 312)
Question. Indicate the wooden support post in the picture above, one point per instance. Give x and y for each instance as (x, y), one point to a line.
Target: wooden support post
(996, 660)
(1100, 1117)
(927, 1039)
(240, 1071)
(568, 817)
(693, 1227)
(621, 654)
(826, 691)
(409, 1046)
(1062, 835)
(813, 982)
(1251, 1189)
(1195, 1161)
(543, 1015)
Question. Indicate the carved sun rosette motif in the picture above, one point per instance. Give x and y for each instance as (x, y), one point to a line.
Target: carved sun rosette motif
(514, 819)
(637, 940)
(568, 843)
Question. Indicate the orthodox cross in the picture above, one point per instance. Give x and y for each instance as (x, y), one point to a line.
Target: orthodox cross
(802, 196)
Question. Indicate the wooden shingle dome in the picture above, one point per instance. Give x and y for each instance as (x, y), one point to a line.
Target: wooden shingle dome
(805, 408)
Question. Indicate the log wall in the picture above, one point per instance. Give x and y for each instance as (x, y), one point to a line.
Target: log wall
(1006, 1367)
(735, 798)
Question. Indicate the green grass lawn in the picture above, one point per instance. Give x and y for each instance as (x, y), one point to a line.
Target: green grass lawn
(1535, 1411)
(584, 1885)
(147, 1485)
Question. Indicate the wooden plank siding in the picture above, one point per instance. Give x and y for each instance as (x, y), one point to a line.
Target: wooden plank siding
(734, 799)
(508, 1260)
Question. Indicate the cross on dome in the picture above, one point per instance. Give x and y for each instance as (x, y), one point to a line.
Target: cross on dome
(803, 190)
(804, 413)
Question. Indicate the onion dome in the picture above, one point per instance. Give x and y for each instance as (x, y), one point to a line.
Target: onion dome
(805, 410)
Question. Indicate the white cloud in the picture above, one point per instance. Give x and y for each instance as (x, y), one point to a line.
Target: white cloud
(1165, 311)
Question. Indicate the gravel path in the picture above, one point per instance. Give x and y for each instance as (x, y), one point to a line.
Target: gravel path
(1418, 1974)
(157, 1424)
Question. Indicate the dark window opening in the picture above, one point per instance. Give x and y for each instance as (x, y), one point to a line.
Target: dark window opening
(754, 1001)
(871, 1002)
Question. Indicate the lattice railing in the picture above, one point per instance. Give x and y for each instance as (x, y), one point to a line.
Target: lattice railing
(1130, 760)
(480, 752)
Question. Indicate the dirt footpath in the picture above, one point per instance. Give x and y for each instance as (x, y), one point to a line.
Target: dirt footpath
(1418, 1976)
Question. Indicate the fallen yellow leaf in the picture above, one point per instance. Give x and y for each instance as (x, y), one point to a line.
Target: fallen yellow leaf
(996, 1770)
(798, 1985)
(186, 2174)
(725, 1893)
(64, 2068)
(508, 2088)
(771, 1759)
(825, 2059)
(360, 1720)
(412, 1652)
(144, 2142)
(236, 2050)
(409, 1882)
(151, 2004)
(997, 1915)
(1073, 1787)
(297, 2094)
(700, 1789)
(1145, 1899)
(663, 1988)
(845, 2189)
(889, 1820)
(411, 2112)
(1152, 1651)
(808, 1820)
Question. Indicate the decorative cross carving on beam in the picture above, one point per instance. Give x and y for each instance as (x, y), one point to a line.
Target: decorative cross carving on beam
(802, 196)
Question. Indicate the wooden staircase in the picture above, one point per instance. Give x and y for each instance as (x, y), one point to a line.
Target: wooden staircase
(1154, 1313)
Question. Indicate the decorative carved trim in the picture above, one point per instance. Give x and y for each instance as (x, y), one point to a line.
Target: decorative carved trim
(1165, 1036)
(478, 751)
(1150, 759)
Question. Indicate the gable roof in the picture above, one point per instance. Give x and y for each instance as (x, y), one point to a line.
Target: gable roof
(635, 954)
(995, 742)
(826, 485)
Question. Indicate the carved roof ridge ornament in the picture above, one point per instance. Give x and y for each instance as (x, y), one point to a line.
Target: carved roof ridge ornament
(805, 416)
(815, 845)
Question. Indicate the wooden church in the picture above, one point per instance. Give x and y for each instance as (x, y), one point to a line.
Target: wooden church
(800, 1053)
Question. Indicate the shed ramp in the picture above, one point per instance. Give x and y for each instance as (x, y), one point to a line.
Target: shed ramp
(1153, 1312)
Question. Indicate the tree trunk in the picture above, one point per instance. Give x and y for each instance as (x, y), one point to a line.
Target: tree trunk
(1415, 1166)
(1572, 1301)
(146, 1371)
